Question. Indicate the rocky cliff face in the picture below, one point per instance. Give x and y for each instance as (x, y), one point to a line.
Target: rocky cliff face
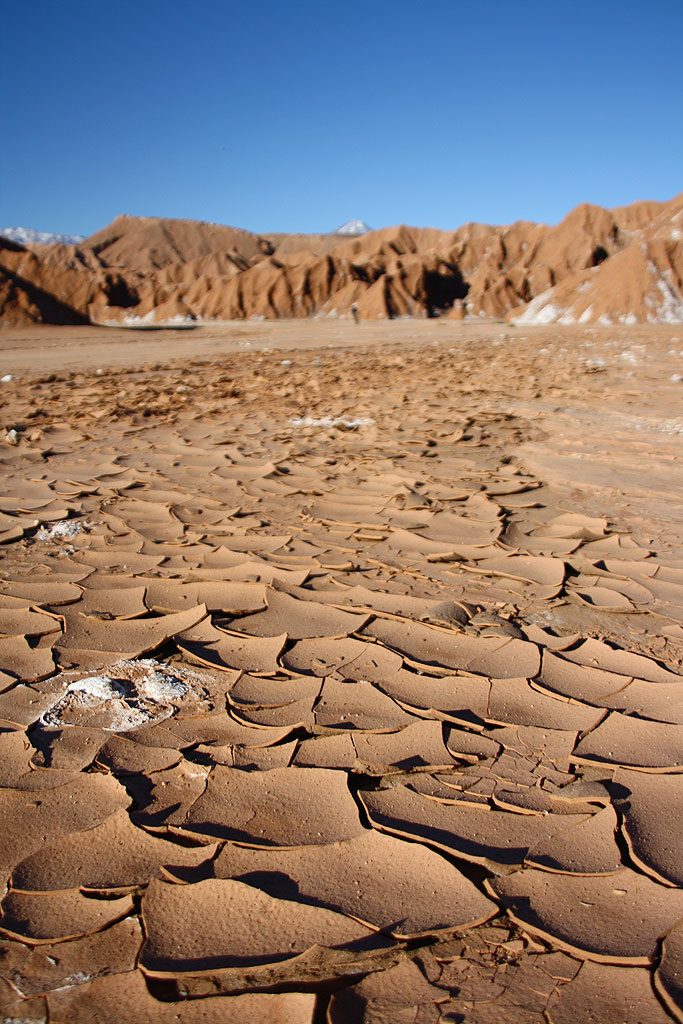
(607, 266)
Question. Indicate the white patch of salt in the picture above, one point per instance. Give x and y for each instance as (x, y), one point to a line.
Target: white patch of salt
(333, 421)
(128, 695)
(98, 686)
(62, 529)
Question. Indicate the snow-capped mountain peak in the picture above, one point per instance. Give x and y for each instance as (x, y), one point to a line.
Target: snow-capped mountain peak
(353, 227)
(27, 236)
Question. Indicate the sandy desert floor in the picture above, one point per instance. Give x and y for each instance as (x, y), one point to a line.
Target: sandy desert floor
(340, 674)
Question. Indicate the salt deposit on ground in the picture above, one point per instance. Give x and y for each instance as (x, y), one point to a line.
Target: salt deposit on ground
(333, 421)
(63, 529)
(128, 695)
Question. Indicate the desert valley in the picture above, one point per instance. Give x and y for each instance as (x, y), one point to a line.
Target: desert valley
(341, 663)
(597, 266)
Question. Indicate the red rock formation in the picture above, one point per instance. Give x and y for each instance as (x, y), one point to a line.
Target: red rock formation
(622, 265)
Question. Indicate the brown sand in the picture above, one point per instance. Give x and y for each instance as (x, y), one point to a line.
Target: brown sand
(340, 673)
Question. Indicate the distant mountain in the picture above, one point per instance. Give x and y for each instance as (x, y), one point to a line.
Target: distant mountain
(353, 227)
(27, 236)
(597, 266)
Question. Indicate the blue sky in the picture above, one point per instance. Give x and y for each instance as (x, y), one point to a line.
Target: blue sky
(298, 116)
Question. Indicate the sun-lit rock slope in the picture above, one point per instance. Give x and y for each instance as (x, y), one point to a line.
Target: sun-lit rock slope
(623, 265)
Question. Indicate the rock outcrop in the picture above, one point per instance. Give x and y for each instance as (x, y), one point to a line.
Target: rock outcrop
(623, 265)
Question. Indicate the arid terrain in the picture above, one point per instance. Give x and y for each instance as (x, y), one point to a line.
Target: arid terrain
(597, 266)
(341, 672)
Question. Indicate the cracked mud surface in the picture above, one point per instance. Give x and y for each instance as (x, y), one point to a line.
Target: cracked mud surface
(344, 683)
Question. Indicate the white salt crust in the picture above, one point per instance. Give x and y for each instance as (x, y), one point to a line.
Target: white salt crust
(128, 695)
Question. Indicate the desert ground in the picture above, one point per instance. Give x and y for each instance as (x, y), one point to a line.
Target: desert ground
(341, 673)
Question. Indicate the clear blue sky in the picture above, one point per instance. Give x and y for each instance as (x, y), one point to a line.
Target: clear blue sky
(300, 115)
